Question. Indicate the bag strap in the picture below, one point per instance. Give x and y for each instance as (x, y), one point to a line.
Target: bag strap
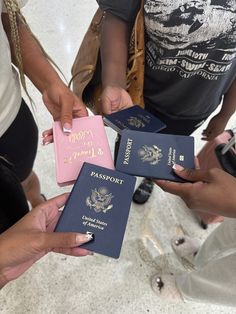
(230, 144)
(95, 29)
(87, 68)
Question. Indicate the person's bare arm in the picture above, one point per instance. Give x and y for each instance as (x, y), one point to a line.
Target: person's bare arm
(32, 237)
(229, 102)
(35, 64)
(218, 123)
(114, 50)
(60, 101)
(114, 56)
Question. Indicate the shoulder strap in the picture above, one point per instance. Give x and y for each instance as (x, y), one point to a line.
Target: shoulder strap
(230, 144)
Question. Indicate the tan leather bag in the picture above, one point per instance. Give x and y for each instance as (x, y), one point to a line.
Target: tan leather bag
(86, 69)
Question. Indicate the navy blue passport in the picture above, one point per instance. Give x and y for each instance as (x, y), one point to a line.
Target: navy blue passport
(152, 155)
(134, 118)
(99, 203)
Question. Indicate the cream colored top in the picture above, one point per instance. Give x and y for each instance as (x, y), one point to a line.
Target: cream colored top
(10, 92)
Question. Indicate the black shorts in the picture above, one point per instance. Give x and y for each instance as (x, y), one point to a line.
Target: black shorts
(19, 143)
(13, 202)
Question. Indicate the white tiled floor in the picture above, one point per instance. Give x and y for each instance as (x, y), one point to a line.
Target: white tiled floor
(59, 284)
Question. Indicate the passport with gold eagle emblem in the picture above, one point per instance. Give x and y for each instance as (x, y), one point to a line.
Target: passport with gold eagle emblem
(134, 118)
(99, 203)
(153, 155)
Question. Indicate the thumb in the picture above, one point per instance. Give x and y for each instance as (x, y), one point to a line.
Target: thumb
(106, 105)
(64, 240)
(192, 175)
(66, 104)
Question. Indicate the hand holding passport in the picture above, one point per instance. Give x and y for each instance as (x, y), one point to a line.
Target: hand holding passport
(87, 142)
(99, 204)
(101, 197)
(153, 155)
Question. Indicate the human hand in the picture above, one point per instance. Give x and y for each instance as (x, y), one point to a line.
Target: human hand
(209, 190)
(63, 104)
(47, 136)
(215, 127)
(32, 237)
(115, 99)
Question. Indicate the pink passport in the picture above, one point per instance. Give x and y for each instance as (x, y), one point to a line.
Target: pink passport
(87, 142)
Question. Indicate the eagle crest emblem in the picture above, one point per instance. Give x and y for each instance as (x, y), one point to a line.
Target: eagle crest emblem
(136, 122)
(151, 154)
(100, 200)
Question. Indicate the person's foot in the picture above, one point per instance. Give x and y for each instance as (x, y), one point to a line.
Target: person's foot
(185, 247)
(165, 287)
(143, 192)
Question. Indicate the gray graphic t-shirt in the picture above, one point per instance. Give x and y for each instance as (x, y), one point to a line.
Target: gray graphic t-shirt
(190, 52)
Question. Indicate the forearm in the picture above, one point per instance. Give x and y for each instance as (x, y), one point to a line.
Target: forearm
(114, 51)
(229, 102)
(35, 64)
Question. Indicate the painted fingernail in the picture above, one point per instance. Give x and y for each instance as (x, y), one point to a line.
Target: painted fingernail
(45, 143)
(83, 238)
(67, 128)
(177, 167)
(90, 236)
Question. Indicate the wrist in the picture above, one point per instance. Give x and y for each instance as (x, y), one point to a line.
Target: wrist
(116, 86)
(224, 115)
(49, 80)
(3, 280)
(55, 83)
(114, 77)
(114, 83)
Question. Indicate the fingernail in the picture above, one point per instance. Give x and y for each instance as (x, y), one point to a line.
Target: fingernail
(83, 238)
(67, 128)
(177, 167)
(90, 236)
(45, 143)
(91, 253)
